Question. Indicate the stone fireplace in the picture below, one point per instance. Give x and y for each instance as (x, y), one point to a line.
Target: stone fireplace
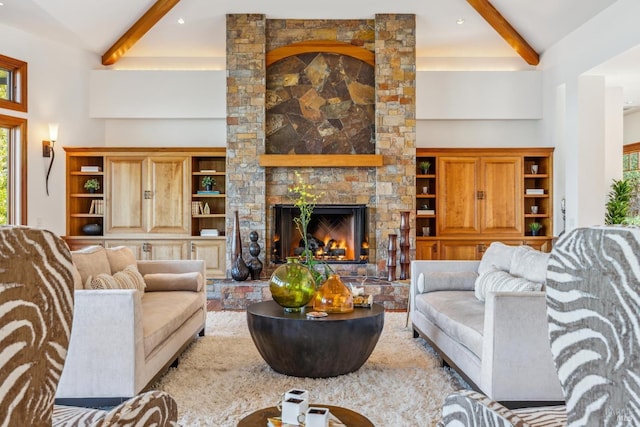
(336, 234)
(384, 190)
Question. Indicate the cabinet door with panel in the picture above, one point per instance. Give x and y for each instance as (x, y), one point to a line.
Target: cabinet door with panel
(212, 252)
(500, 197)
(427, 250)
(457, 192)
(465, 250)
(125, 195)
(152, 249)
(170, 195)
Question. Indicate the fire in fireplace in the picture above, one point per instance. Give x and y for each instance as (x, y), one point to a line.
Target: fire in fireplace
(336, 233)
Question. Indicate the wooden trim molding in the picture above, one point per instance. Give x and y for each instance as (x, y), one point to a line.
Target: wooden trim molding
(137, 30)
(321, 160)
(506, 31)
(631, 148)
(329, 46)
(19, 70)
(19, 124)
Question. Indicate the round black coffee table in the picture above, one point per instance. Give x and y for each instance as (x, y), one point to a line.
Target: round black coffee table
(330, 346)
(347, 416)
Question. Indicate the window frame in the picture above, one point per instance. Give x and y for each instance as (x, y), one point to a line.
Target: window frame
(19, 70)
(18, 126)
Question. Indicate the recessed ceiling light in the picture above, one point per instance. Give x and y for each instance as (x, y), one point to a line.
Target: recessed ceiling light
(180, 21)
(1, 4)
(460, 21)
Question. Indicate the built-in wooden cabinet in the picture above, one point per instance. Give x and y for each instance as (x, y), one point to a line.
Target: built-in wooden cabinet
(155, 191)
(151, 200)
(472, 197)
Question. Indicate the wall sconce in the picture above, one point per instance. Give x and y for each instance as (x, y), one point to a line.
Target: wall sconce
(47, 149)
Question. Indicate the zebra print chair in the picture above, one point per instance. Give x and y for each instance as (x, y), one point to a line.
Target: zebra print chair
(593, 309)
(36, 309)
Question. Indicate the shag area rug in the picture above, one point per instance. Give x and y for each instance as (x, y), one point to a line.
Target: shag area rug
(221, 378)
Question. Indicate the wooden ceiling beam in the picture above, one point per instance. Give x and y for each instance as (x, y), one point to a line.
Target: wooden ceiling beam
(502, 27)
(137, 30)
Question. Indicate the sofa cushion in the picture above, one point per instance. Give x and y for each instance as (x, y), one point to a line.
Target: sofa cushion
(191, 281)
(91, 261)
(530, 264)
(496, 280)
(120, 257)
(497, 255)
(164, 313)
(458, 313)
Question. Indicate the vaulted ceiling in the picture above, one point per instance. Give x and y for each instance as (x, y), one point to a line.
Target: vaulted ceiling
(529, 26)
(479, 43)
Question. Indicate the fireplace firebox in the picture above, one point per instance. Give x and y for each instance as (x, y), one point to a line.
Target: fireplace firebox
(336, 233)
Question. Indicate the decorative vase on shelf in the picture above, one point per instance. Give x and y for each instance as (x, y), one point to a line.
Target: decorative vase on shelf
(333, 296)
(292, 285)
(239, 269)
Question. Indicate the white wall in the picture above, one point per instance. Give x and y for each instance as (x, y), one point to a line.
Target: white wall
(609, 34)
(57, 92)
(479, 133)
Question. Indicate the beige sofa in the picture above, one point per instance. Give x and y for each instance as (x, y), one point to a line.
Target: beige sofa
(499, 345)
(124, 339)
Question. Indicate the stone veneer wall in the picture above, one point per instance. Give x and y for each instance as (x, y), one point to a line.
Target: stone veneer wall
(387, 190)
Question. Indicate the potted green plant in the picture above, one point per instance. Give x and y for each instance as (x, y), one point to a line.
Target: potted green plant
(425, 165)
(619, 202)
(535, 228)
(92, 185)
(208, 182)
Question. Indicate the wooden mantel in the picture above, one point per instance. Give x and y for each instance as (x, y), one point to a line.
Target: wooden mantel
(320, 160)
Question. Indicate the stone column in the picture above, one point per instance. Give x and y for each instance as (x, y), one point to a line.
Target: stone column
(395, 50)
(246, 82)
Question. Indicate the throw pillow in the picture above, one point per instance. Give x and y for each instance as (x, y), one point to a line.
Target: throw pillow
(529, 264)
(91, 261)
(191, 281)
(497, 255)
(448, 281)
(129, 278)
(420, 283)
(120, 257)
(132, 276)
(102, 281)
(496, 280)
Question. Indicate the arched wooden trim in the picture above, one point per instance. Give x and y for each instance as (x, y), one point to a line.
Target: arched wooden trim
(329, 46)
(631, 148)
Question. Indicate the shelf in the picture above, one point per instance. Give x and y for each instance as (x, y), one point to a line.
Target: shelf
(426, 196)
(208, 195)
(536, 175)
(536, 216)
(536, 196)
(88, 195)
(78, 173)
(217, 173)
(426, 216)
(221, 215)
(427, 176)
(86, 215)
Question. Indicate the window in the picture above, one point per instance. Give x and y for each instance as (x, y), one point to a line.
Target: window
(631, 172)
(13, 170)
(13, 84)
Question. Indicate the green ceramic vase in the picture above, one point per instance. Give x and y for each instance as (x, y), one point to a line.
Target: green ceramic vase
(292, 285)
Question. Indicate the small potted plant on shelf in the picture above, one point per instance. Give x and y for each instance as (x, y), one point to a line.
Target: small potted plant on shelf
(92, 185)
(208, 182)
(535, 228)
(425, 165)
